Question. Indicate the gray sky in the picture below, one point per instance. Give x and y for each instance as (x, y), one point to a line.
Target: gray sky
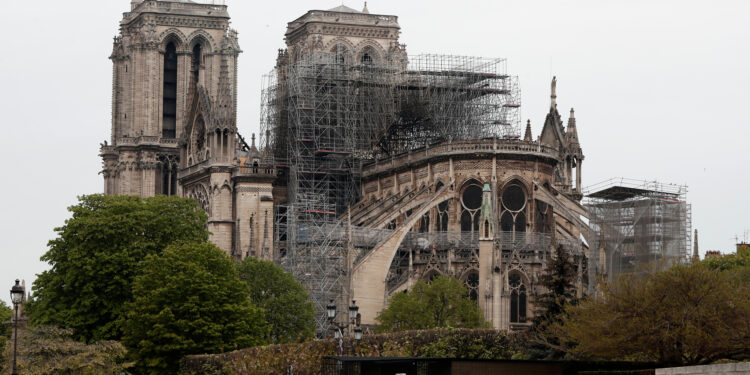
(660, 90)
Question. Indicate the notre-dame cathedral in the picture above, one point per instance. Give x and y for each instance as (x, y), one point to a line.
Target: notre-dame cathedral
(373, 169)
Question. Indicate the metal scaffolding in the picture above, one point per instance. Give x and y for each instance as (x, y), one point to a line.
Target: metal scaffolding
(637, 223)
(323, 116)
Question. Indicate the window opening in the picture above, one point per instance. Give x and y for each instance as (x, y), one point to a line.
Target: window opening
(517, 299)
(169, 93)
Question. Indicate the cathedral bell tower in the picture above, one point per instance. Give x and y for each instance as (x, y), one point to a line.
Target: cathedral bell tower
(166, 52)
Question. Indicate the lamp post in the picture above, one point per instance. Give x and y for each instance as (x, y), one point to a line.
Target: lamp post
(16, 296)
(338, 329)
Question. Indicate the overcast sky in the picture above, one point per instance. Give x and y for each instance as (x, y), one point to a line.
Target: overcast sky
(661, 92)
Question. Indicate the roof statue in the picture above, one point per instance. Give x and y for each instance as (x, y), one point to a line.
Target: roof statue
(554, 92)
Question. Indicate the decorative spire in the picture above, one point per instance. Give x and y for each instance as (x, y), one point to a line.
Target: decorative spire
(696, 254)
(224, 110)
(528, 137)
(553, 103)
(365, 10)
(253, 138)
(572, 133)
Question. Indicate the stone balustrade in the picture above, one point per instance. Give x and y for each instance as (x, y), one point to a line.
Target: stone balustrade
(485, 146)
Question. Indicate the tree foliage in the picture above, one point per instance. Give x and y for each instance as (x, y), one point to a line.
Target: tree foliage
(287, 307)
(6, 313)
(737, 265)
(558, 290)
(557, 282)
(683, 316)
(44, 350)
(189, 300)
(443, 303)
(97, 254)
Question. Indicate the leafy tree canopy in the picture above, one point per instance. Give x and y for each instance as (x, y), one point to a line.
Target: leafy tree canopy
(683, 316)
(736, 264)
(97, 254)
(44, 350)
(443, 303)
(285, 301)
(5, 312)
(189, 300)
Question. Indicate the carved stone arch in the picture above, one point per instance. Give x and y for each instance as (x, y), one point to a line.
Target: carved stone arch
(431, 273)
(172, 35)
(208, 44)
(200, 193)
(466, 272)
(348, 54)
(527, 186)
(378, 54)
(329, 47)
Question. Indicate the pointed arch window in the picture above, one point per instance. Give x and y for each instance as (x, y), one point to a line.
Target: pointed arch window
(169, 93)
(341, 53)
(196, 61)
(472, 283)
(513, 202)
(471, 202)
(517, 298)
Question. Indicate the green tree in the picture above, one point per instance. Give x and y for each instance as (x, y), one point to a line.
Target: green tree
(189, 300)
(285, 301)
(6, 313)
(44, 350)
(685, 315)
(443, 303)
(738, 265)
(97, 254)
(558, 290)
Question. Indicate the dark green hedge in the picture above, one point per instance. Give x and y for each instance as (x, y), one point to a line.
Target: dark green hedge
(306, 358)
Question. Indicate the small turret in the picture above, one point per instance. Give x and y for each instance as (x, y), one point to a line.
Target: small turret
(365, 10)
(528, 137)
(572, 133)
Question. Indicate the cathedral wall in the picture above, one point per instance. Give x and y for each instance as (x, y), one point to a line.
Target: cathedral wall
(254, 214)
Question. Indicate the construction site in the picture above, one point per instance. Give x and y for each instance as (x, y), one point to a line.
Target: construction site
(327, 115)
(637, 224)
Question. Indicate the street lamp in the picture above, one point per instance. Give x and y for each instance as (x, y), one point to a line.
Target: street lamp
(16, 296)
(337, 328)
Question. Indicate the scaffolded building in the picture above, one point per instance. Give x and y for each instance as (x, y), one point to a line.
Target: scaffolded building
(326, 114)
(636, 224)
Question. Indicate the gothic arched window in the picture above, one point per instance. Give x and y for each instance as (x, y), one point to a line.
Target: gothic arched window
(341, 53)
(471, 202)
(169, 93)
(517, 298)
(513, 202)
(472, 283)
(196, 63)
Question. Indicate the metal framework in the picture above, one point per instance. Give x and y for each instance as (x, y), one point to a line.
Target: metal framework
(638, 223)
(323, 116)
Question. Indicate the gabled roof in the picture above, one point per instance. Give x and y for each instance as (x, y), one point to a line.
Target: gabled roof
(343, 9)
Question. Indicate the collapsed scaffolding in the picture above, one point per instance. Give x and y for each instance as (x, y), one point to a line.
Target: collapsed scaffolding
(324, 116)
(637, 224)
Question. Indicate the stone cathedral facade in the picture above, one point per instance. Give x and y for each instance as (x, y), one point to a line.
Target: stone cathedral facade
(174, 132)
